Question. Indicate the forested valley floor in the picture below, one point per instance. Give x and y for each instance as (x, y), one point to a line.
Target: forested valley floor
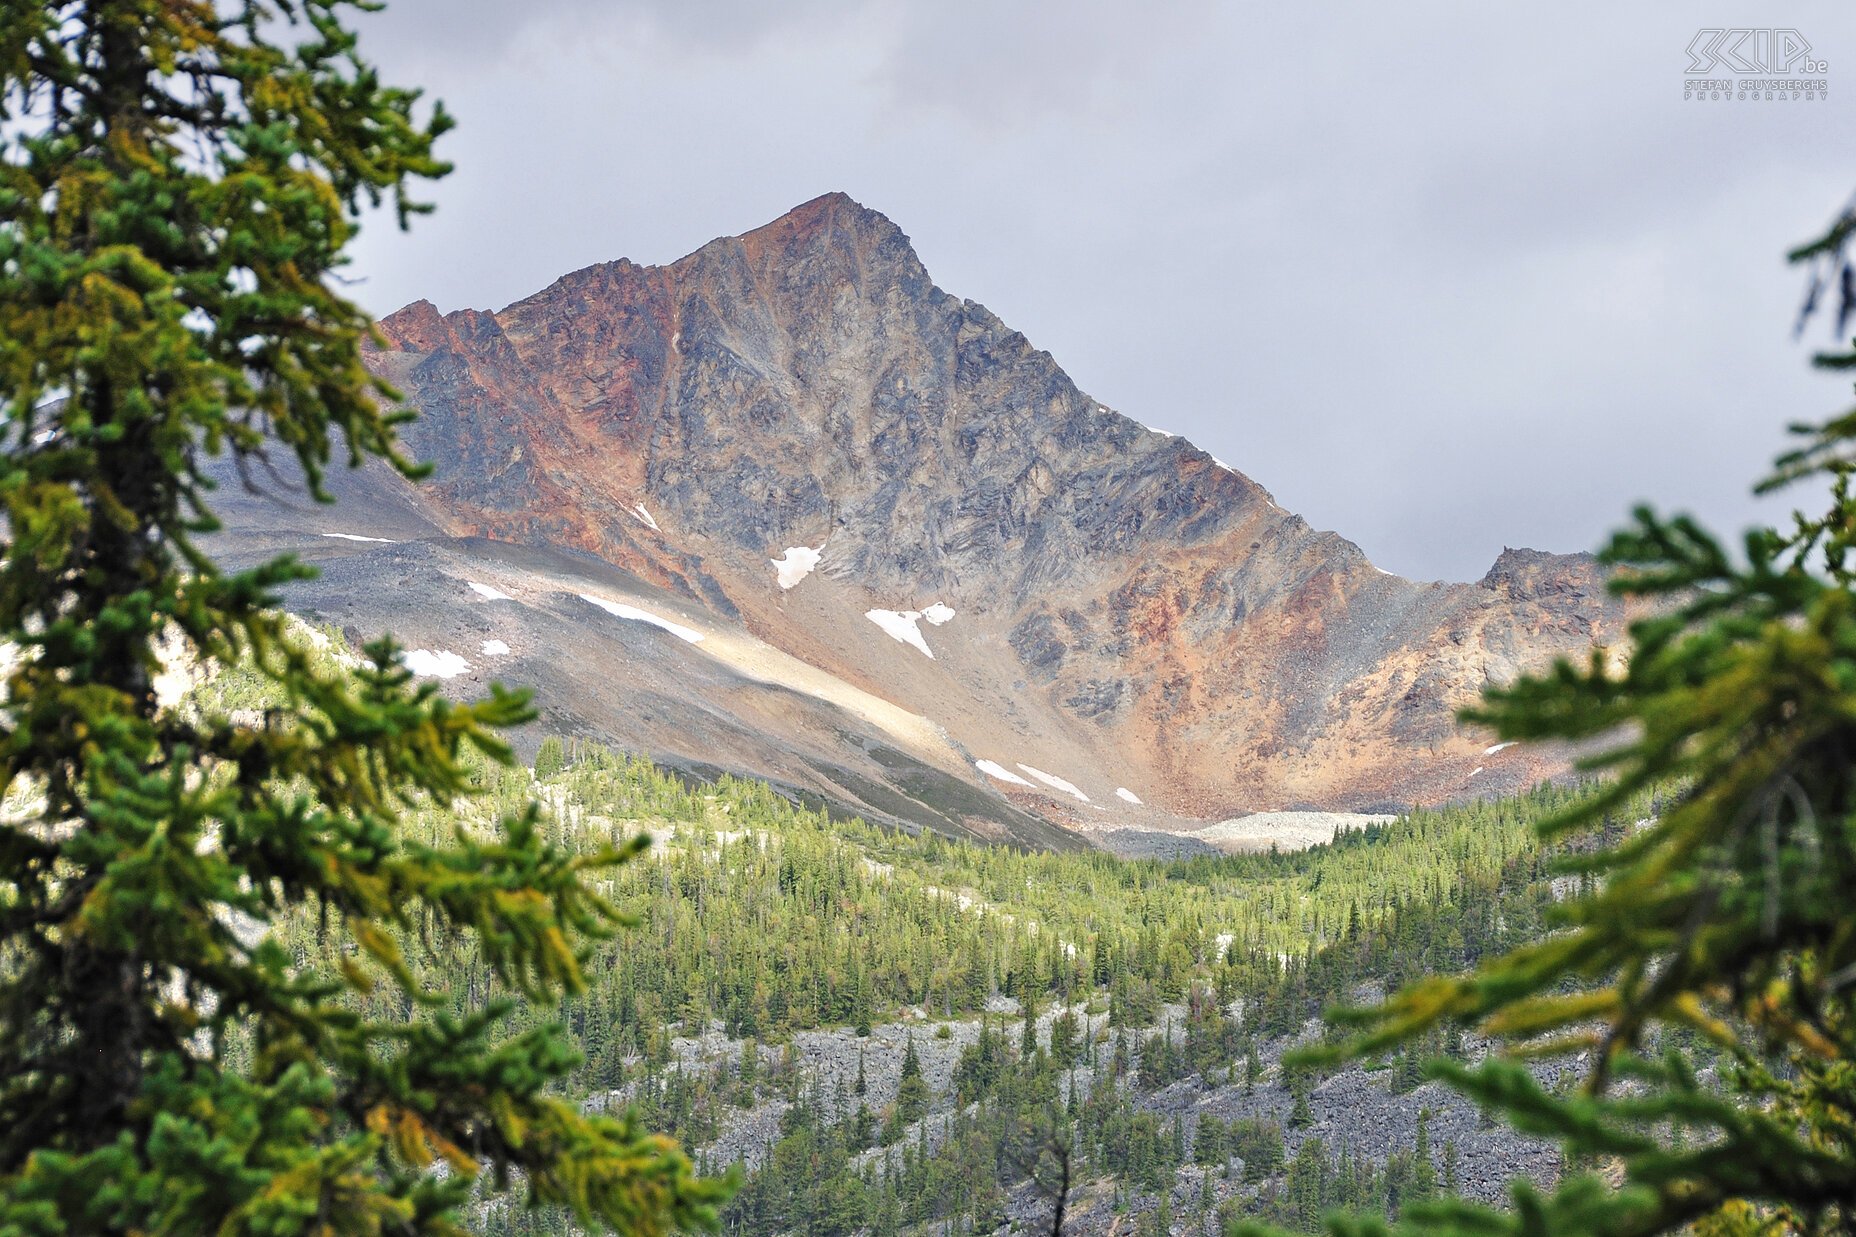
(888, 1033)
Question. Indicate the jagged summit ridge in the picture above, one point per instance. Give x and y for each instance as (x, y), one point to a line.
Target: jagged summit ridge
(1127, 606)
(938, 412)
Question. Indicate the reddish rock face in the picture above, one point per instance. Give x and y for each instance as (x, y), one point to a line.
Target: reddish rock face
(1128, 612)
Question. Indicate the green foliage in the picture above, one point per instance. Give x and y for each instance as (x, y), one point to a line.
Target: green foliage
(1258, 1144)
(1720, 922)
(179, 181)
(551, 757)
(979, 1069)
(1210, 1142)
(912, 1094)
(1832, 274)
(1300, 1084)
(771, 918)
(766, 914)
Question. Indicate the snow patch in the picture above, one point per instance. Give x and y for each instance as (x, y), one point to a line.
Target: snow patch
(1490, 751)
(638, 512)
(1122, 792)
(1055, 783)
(1162, 433)
(938, 613)
(487, 593)
(354, 537)
(1475, 770)
(434, 664)
(900, 624)
(171, 683)
(620, 610)
(992, 768)
(796, 564)
(495, 648)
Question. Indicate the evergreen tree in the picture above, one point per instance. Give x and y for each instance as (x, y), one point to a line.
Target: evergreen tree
(750, 1069)
(1258, 1144)
(1423, 1172)
(1724, 915)
(1299, 1088)
(912, 1093)
(1208, 1142)
(177, 185)
(1063, 1044)
(1161, 1221)
(912, 1096)
(1307, 1185)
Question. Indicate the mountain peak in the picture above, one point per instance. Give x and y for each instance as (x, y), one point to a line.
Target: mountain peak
(836, 206)
(1535, 574)
(1115, 605)
(836, 199)
(832, 220)
(418, 326)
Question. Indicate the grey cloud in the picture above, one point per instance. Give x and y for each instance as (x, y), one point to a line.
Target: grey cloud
(482, 30)
(1446, 279)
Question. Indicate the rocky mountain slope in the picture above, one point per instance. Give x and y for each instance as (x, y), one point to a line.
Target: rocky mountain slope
(927, 577)
(1353, 1111)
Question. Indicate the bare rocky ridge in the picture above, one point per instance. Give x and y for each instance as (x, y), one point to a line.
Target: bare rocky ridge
(1131, 620)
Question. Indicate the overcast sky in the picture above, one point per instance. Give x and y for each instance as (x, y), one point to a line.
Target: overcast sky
(1444, 277)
